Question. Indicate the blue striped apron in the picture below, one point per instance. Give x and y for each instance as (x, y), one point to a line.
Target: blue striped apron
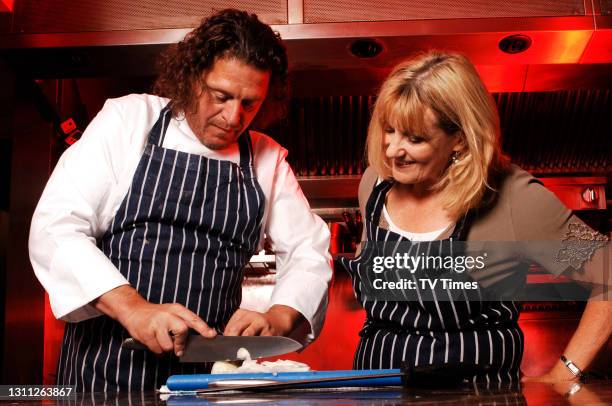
(432, 332)
(183, 233)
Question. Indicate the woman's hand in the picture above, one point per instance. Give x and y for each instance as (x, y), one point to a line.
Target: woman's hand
(590, 336)
(277, 321)
(559, 373)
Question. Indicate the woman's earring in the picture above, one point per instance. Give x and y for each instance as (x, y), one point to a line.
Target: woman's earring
(454, 157)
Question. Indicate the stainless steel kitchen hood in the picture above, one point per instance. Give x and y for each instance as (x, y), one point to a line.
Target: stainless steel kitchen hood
(580, 40)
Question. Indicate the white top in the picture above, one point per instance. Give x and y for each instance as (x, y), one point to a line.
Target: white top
(93, 176)
(428, 236)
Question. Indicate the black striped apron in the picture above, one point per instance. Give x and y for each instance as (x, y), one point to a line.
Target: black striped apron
(183, 233)
(432, 332)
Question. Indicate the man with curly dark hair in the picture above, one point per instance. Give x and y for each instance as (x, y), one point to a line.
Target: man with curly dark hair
(231, 35)
(148, 221)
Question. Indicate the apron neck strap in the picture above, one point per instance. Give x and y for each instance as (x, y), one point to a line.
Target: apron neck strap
(158, 132)
(376, 201)
(246, 154)
(460, 232)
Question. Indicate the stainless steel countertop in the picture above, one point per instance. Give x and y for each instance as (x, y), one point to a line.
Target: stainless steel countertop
(593, 393)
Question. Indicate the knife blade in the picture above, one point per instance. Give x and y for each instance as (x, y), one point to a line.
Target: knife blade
(225, 348)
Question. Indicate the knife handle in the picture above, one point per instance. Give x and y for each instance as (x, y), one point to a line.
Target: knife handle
(441, 375)
(132, 344)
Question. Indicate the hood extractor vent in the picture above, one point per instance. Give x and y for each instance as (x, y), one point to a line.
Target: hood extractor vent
(326, 11)
(547, 133)
(318, 33)
(64, 16)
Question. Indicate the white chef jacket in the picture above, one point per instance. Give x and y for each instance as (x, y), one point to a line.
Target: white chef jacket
(92, 178)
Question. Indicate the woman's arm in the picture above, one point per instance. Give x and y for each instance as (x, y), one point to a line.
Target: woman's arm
(541, 220)
(591, 335)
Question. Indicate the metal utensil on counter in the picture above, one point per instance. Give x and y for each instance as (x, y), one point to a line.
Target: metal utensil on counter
(225, 348)
(447, 375)
(271, 385)
(194, 382)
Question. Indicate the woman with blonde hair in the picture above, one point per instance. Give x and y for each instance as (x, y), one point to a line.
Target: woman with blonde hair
(437, 174)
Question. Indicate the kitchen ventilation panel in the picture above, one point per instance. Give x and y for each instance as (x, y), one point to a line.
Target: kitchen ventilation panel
(327, 11)
(55, 16)
(547, 133)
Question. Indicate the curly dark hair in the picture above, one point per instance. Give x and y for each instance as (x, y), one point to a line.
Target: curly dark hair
(228, 33)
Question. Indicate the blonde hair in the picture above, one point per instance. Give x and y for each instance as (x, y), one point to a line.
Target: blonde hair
(448, 84)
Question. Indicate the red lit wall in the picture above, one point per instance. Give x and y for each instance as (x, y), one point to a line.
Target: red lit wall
(7, 6)
(54, 331)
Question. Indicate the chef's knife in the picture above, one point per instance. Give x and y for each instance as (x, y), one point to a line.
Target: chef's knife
(225, 348)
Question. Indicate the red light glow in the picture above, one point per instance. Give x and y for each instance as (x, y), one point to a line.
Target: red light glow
(7, 6)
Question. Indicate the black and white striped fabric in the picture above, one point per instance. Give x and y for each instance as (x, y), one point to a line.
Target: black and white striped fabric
(183, 233)
(426, 332)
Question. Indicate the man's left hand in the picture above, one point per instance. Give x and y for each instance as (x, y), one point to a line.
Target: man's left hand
(279, 320)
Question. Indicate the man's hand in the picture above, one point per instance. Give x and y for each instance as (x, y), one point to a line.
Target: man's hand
(164, 327)
(161, 327)
(279, 320)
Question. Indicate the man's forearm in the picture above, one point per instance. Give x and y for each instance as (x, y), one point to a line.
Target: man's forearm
(119, 302)
(151, 323)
